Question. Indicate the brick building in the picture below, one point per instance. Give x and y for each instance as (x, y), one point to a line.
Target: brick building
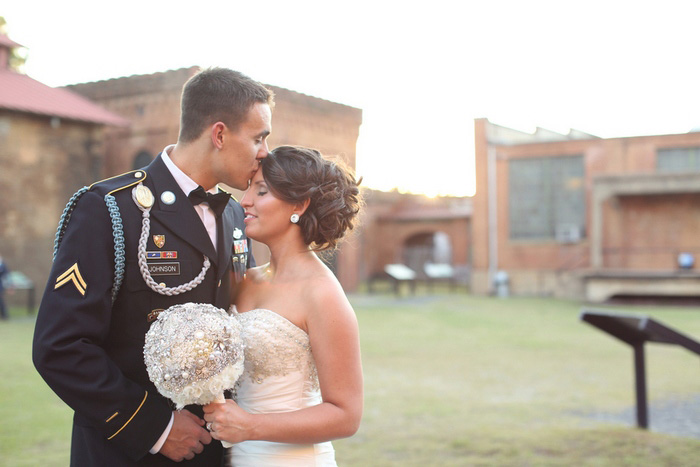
(579, 216)
(50, 142)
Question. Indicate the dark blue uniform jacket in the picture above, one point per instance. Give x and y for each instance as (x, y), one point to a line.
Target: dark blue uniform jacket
(90, 350)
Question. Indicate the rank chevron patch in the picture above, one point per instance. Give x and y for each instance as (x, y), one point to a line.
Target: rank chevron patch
(72, 275)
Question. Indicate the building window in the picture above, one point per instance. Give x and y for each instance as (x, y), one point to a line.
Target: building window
(678, 160)
(546, 198)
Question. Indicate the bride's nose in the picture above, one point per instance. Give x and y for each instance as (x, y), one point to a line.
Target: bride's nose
(247, 198)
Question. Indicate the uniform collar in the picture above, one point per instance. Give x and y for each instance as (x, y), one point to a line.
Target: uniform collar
(185, 183)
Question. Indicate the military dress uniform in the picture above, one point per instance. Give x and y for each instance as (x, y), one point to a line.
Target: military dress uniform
(98, 306)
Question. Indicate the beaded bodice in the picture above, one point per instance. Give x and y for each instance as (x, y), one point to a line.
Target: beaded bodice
(275, 347)
(280, 376)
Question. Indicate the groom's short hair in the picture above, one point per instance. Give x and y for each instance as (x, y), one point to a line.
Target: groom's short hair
(218, 95)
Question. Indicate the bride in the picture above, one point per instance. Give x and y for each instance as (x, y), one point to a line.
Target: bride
(302, 384)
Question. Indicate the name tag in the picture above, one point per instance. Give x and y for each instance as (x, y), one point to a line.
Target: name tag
(164, 269)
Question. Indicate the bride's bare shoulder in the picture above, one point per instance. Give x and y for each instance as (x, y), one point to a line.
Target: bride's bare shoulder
(324, 289)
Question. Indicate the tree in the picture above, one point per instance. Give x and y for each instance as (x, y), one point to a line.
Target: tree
(18, 55)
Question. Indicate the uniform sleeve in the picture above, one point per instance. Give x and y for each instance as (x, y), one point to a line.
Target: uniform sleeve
(71, 335)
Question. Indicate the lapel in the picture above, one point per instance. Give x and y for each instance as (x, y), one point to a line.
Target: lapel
(180, 217)
(227, 223)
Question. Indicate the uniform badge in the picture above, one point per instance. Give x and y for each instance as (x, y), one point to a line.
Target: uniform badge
(240, 246)
(161, 255)
(72, 275)
(167, 197)
(238, 267)
(159, 240)
(237, 233)
(153, 315)
(143, 196)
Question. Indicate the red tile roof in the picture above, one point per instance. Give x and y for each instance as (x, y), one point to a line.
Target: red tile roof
(23, 94)
(9, 43)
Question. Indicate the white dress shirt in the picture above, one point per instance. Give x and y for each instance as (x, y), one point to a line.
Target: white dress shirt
(187, 185)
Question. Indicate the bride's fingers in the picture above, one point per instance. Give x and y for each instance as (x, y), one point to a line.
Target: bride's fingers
(209, 408)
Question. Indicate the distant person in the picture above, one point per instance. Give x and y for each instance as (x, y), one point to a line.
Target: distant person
(302, 384)
(136, 244)
(4, 271)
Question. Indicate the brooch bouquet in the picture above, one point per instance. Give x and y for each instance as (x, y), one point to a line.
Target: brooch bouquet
(193, 353)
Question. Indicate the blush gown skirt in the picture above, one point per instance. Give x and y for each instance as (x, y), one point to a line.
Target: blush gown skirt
(280, 376)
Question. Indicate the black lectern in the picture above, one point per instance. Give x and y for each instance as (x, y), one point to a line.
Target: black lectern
(635, 330)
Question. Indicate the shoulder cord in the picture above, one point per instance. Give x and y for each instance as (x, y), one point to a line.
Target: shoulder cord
(65, 217)
(143, 266)
(117, 230)
(118, 233)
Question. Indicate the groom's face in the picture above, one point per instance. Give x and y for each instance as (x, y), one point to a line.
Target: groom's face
(245, 146)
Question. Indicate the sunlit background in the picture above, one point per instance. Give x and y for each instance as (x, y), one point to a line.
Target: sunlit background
(421, 71)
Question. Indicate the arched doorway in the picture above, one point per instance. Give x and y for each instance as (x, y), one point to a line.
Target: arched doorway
(426, 247)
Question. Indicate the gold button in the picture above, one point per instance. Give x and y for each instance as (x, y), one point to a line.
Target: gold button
(162, 284)
(138, 175)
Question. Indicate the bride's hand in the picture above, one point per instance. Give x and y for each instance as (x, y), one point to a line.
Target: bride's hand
(228, 422)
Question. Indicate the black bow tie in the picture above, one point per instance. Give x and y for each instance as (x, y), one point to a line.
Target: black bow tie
(216, 202)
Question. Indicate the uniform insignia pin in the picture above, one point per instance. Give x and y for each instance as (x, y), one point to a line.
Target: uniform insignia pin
(237, 233)
(167, 197)
(73, 275)
(143, 196)
(161, 255)
(159, 240)
(153, 315)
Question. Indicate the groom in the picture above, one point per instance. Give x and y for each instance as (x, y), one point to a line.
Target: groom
(99, 303)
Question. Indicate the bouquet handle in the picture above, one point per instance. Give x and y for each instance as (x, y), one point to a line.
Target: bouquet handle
(220, 399)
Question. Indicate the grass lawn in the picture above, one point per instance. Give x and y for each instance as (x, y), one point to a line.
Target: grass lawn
(450, 379)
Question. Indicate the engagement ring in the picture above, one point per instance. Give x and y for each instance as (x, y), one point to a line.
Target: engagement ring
(208, 426)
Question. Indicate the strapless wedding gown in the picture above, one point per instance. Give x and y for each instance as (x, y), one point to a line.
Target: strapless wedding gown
(279, 376)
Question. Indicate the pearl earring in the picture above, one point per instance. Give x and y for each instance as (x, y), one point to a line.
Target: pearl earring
(294, 218)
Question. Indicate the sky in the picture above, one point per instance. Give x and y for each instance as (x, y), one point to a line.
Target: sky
(421, 71)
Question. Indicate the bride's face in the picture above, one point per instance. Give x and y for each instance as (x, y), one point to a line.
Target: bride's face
(265, 215)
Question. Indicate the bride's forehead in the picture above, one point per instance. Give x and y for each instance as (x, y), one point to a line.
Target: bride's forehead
(258, 177)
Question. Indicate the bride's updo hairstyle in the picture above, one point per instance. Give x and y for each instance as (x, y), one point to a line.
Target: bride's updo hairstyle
(294, 174)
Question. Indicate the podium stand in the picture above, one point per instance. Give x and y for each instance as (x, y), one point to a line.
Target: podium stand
(636, 330)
